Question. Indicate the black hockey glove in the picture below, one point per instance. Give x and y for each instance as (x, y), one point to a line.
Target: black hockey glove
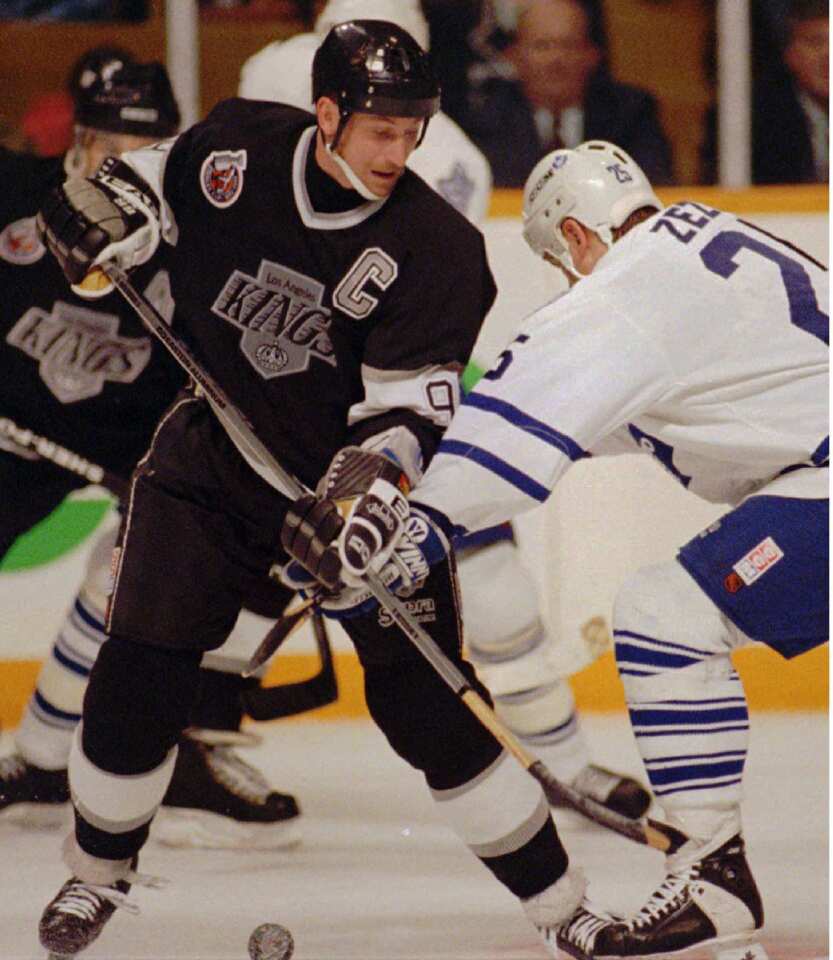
(373, 488)
(112, 216)
(309, 534)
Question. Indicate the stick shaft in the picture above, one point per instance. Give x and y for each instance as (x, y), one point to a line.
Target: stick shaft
(239, 425)
(27, 444)
(649, 833)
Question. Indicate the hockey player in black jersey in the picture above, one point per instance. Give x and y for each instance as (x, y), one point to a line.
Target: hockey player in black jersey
(85, 375)
(335, 298)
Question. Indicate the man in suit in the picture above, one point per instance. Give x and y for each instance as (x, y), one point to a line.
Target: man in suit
(551, 88)
(790, 116)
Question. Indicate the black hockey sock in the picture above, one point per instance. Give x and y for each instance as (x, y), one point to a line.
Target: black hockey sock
(219, 705)
(534, 867)
(137, 704)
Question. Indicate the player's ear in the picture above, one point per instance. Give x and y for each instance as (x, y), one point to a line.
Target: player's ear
(326, 110)
(574, 232)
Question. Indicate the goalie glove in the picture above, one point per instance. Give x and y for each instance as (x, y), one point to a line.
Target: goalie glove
(112, 216)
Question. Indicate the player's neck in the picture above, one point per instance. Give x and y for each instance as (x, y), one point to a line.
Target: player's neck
(326, 192)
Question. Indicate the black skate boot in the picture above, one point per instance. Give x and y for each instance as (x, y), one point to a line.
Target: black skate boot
(30, 795)
(713, 903)
(217, 800)
(616, 791)
(76, 916)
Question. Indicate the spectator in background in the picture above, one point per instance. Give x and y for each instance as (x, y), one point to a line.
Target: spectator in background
(73, 10)
(550, 88)
(791, 103)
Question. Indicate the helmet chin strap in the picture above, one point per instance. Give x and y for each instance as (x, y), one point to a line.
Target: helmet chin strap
(351, 175)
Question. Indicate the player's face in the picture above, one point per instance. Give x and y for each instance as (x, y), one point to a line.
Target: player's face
(807, 56)
(103, 144)
(377, 148)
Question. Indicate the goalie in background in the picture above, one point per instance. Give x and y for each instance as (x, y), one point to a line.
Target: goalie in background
(507, 640)
(103, 403)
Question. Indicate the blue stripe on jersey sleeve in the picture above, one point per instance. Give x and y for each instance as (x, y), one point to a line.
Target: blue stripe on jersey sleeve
(523, 421)
(822, 453)
(500, 467)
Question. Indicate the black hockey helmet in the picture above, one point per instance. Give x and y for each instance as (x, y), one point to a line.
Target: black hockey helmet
(373, 66)
(90, 64)
(127, 97)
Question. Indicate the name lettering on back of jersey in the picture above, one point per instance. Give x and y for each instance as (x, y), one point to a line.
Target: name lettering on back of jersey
(457, 188)
(282, 318)
(352, 296)
(761, 558)
(20, 243)
(672, 217)
(78, 350)
(221, 176)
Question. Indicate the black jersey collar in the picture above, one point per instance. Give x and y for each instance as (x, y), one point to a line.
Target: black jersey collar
(311, 217)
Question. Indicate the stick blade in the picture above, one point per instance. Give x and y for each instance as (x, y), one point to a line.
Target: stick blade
(280, 630)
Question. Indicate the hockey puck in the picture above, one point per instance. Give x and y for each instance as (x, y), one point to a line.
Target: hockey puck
(271, 941)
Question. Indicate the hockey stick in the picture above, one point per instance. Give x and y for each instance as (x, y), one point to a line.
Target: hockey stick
(287, 699)
(28, 445)
(649, 832)
(285, 625)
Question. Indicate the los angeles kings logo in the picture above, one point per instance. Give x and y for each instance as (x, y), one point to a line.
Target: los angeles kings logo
(78, 350)
(282, 318)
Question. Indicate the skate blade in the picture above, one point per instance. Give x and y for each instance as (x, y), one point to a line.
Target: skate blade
(199, 829)
(739, 948)
(37, 816)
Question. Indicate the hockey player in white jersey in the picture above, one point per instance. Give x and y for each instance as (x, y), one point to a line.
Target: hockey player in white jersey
(702, 340)
(506, 636)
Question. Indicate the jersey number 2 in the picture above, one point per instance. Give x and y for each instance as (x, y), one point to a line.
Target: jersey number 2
(718, 256)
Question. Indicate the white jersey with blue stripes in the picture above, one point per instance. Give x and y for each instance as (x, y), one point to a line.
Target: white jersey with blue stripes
(699, 338)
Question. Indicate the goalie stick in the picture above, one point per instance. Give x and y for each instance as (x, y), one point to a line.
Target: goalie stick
(649, 832)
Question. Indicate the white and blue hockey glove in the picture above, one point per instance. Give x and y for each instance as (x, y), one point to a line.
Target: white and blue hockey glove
(402, 565)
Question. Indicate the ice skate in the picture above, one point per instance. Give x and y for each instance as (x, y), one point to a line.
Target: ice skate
(617, 792)
(78, 913)
(217, 800)
(550, 908)
(712, 903)
(31, 795)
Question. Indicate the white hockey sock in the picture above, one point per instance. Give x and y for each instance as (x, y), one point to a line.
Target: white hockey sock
(686, 701)
(545, 720)
(45, 732)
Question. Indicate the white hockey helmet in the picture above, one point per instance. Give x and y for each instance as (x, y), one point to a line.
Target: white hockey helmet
(406, 14)
(282, 71)
(597, 184)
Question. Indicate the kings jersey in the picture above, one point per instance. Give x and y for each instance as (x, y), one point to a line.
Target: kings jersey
(323, 327)
(82, 373)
